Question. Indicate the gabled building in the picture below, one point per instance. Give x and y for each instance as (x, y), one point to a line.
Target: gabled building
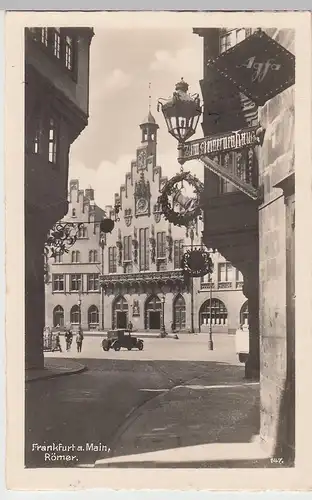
(139, 265)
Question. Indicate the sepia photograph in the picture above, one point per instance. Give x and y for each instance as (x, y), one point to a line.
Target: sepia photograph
(159, 245)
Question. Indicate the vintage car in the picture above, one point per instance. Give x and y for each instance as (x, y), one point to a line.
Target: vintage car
(121, 338)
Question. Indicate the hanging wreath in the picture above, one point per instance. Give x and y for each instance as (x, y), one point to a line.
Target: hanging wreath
(197, 263)
(192, 209)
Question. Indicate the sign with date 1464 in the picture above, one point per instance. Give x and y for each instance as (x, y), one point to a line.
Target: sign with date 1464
(220, 143)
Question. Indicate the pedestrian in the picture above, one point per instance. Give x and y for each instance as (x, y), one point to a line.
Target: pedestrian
(172, 327)
(130, 326)
(79, 340)
(57, 339)
(68, 338)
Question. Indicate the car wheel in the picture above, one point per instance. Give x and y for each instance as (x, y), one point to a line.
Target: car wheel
(140, 346)
(117, 347)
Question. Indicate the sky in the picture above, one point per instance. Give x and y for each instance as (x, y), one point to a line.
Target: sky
(123, 63)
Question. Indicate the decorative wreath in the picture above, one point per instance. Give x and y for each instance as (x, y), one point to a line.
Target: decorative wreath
(169, 189)
(197, 263)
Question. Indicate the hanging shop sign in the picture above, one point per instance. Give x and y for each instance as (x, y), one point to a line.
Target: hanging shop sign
(220, 143)
(169, 197)
(259, 66)
(197, 262)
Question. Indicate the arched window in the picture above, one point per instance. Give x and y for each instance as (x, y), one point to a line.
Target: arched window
(58, 316)
(217, 314)
(93, 317)
(93, 256)
(179, 313)
(75, 256)
(75, 316)
(243, 317)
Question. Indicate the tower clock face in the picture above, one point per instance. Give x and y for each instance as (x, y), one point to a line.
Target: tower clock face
(141, 159)
(142, 205)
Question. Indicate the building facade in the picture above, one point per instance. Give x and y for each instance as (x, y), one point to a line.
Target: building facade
(138, 264)
(56, 111)
(258, 237)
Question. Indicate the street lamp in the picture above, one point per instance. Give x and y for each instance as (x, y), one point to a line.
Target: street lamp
(210, 341)
(79, 309)
(181, 114)
(163, 329)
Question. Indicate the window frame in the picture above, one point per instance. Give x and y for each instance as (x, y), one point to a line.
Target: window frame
(74, 277)
(93, 278)
(56, 279)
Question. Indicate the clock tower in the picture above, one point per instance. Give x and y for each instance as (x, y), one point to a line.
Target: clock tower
(149, 129)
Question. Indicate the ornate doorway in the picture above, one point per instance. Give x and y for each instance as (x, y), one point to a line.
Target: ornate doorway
(152, 313)
(179, 313)
(120, 313)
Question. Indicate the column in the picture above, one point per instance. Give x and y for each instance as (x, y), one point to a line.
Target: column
(34, 293)
(251, 291)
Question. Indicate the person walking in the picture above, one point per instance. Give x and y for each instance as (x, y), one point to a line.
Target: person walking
(68, 338)
(130, 327)
(79, 340)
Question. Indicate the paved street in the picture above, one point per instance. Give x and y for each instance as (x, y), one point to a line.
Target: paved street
(98, 405)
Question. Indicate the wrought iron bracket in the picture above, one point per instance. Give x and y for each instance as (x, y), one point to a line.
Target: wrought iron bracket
(246, 188)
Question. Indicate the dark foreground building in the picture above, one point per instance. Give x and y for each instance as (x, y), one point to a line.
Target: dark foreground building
(258, 237)
(56, 111)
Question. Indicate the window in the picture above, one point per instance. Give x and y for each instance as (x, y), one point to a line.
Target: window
(75, 315)
(58, 283)
(127, 247)
(93, 316)
(75, 282)
(144, 249)
(75, 256)
(93, 282)
(244, 314)
(82, 233)
(93, 256)
(216, 314)
(161, 245)
(52, 141)
(44, 36)
(112, 260)
(225, 272)
(69, 45)
(231, 37)
(58, 258)
(177, 253)
(58, 316)
(73, 212)
(57, 43)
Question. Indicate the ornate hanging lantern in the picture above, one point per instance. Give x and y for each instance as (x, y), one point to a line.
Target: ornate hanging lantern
(181, 112)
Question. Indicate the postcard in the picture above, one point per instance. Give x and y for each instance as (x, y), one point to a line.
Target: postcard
(154, 289)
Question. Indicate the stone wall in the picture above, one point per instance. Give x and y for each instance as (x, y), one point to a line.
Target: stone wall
(276, 163)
